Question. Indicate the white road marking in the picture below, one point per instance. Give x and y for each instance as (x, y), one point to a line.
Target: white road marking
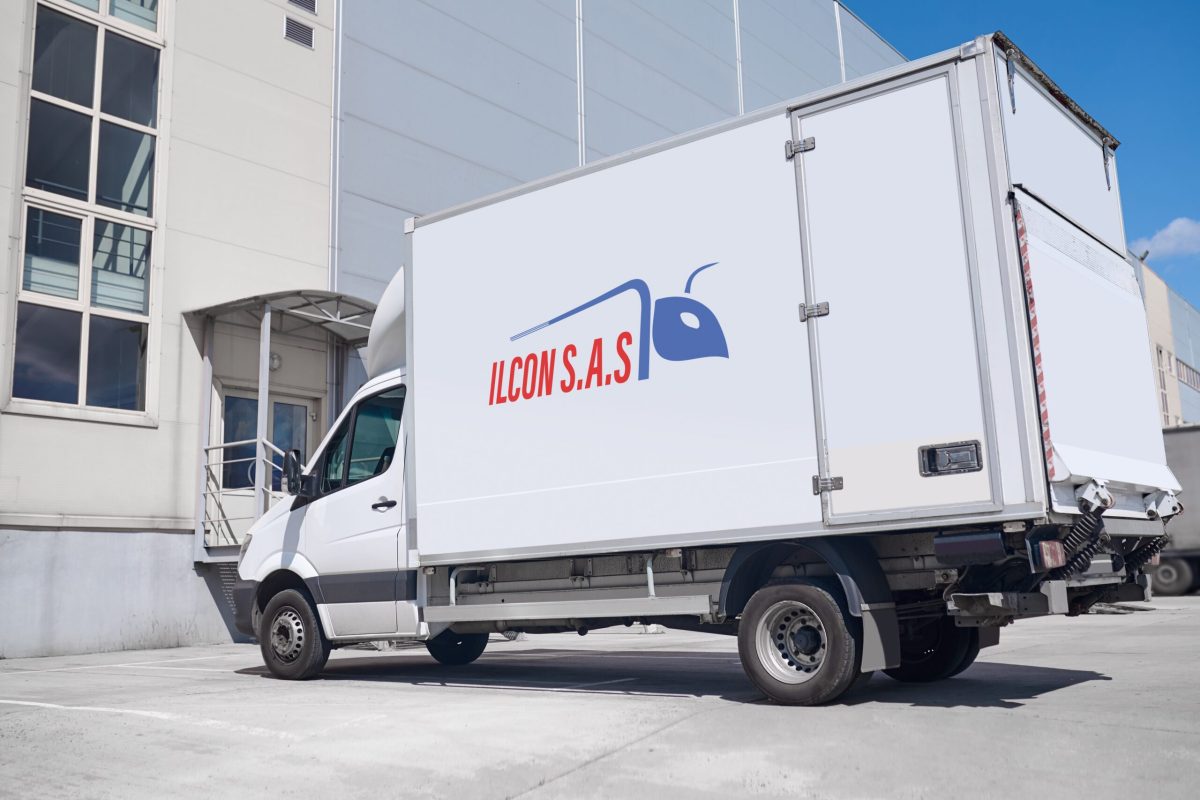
(103, 666)
(162, 716)
(596, 683)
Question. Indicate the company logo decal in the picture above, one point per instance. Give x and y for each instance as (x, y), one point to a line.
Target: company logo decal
(680, 328)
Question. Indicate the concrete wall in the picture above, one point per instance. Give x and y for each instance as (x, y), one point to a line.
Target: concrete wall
(85, 592)
(441, 103)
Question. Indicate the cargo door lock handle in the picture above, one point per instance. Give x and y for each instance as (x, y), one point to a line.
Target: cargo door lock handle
(383, 504)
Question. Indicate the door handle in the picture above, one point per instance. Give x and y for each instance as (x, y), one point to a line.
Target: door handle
(383, 503)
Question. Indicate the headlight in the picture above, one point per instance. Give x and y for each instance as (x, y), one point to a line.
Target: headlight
(245, 545)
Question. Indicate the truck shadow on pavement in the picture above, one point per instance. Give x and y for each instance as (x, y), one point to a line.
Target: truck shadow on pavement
(686, 674)
(984, 685)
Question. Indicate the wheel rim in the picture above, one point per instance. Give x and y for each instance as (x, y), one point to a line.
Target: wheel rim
(1167, 574)
(791, 642)
(287, 635)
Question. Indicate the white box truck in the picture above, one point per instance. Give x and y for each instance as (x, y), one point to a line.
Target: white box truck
(1179, 570)
(860, 379)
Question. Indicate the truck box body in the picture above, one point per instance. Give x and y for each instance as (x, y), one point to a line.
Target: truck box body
(860, 379)
(637, 355)
(1183, 454)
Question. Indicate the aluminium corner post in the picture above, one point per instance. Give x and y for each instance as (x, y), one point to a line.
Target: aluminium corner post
(261, 467)
(199, 551)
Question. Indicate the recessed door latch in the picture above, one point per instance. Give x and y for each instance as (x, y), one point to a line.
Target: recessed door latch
(792, 147)
(815, 310)
(826, 484)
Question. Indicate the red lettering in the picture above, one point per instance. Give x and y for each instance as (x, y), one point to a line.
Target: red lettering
(529, 381)
(596, 364)
(492, 386)
(568, 383)
(625, 339)
(546, 372)
(500, 398)
(514, 385)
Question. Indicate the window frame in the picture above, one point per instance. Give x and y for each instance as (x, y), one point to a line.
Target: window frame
(88, 211)
(350, 420)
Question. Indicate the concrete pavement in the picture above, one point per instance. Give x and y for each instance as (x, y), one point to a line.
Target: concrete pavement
(1100, 706)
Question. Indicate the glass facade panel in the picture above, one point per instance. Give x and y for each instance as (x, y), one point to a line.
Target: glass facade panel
(91, 5)
(139, 12)
(116, 363)
(64, 57)
(121, 267)
(59, 149)
(125, 175)
(130, 88)
(52, 249)
(46, 354)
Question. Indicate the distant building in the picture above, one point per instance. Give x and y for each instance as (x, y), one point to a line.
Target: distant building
(1174, 326)
(200, 202)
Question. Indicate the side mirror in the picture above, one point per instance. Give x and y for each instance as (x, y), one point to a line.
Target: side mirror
(292, 464)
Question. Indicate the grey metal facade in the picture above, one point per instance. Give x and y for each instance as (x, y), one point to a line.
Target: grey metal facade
(440, 103)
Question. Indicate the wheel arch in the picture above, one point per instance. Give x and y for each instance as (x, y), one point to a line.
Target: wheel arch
(856, 566)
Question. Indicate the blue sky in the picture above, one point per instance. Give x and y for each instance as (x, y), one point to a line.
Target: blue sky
(1135, 67)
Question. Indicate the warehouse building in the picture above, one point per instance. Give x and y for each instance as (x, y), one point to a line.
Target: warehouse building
(1174, 325)
(201, 201)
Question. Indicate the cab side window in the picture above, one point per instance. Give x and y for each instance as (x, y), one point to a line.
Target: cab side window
(376, 431)
(364, 445)
(333, 463)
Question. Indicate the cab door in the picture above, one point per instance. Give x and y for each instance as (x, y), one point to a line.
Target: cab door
(355, 526)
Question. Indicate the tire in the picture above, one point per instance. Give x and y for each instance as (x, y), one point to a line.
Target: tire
(1173, 577)
(972, 653)
(456, 649)
(294, 647)
(935, 652)
(796, 645)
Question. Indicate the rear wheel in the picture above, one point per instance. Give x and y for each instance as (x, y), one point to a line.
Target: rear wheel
(455, 649)
(293, 645)
(935, 651)
(1173, 577)
(796, 646)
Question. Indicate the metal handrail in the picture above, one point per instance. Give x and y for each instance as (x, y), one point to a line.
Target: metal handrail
(220, 515)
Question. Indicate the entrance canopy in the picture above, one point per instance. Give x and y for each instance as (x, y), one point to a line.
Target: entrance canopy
(348, 318)
(223, 512)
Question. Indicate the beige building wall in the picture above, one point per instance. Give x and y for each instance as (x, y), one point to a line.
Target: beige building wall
(1162, 346)
(242, 207)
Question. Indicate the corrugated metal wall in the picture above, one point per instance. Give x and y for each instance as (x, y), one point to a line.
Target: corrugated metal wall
(444, 102)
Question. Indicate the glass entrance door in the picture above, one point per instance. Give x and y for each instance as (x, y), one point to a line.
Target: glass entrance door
(289, 427)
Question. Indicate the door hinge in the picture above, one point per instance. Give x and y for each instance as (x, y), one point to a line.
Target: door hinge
(791, 147)
(815, 310)
(826, 484)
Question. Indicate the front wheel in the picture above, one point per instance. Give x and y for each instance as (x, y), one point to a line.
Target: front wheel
(796, 646)
(293, 646)
(455, 649)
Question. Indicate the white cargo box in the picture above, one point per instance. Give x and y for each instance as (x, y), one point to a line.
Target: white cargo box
(813, 318)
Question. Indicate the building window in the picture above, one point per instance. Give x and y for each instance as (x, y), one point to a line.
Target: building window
(1187, 374)
(1162, 386)
(83, 311)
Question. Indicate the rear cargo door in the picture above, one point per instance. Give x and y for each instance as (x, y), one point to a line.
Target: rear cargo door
(901, 422)
(1093, 366)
